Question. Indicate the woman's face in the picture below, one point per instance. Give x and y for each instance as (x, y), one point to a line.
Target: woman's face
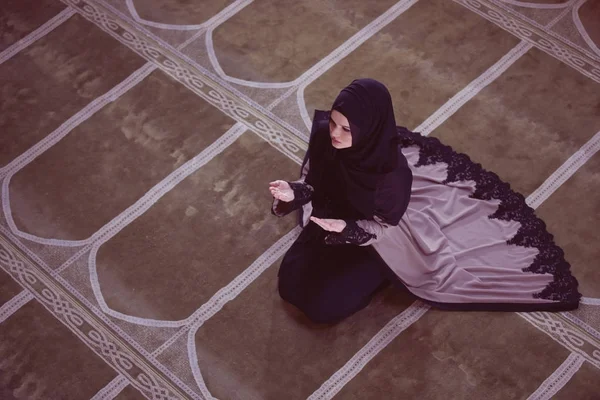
(339, 130)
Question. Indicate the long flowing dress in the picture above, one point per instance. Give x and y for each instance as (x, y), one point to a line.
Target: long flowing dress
(466, 241)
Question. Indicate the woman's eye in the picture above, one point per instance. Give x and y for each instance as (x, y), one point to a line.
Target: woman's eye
(347, 129)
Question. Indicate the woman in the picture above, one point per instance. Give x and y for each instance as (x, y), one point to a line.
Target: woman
(379, 203)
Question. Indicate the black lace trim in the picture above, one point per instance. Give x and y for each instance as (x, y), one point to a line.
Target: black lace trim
(513, 207)
(302, 194)
(352, 234)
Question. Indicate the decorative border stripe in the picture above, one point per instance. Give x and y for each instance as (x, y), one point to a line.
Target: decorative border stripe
(227, 294)
(566, 333)
(564, 172)
(205, 87)
(520, 27)
(472, 89)
(384, 337)
(95, 335)
(559, 378)
(112, 390)
(64, 129)
(590, 301)
(14, 304)
(225, 100)
(583, 325)
(36, 35)
(141, 206)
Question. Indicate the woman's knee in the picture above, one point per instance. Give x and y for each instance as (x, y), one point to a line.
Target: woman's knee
(317, 308)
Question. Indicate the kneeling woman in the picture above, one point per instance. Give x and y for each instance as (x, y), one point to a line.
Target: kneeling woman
(379, 203)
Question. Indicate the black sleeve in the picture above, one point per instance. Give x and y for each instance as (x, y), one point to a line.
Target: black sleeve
(302, 195)
(352, 234)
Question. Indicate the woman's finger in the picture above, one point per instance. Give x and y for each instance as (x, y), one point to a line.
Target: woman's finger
(326, 222)
(316, 221)
(332, 225)
(277, 183)
(322, 223)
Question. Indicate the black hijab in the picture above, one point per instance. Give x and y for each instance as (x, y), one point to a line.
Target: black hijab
(354, 175)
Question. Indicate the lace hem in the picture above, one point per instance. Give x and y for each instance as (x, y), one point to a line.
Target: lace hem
(302, 195)
(352, 234)
(513, 207)
(302, 192)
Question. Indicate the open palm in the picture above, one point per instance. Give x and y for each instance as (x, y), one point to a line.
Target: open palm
(331, 225)
(281, 190)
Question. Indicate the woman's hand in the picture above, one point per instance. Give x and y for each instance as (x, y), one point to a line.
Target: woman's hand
(281, 190)
(331, 225)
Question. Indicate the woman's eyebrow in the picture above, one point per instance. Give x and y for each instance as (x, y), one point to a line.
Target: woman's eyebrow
(332, 120)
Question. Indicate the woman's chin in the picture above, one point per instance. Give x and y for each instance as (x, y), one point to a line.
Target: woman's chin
(338, 145)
